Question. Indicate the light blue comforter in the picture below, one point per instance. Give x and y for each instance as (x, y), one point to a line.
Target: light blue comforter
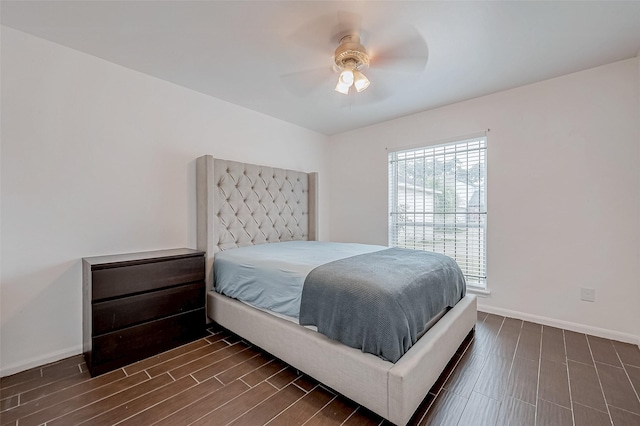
(271, 276)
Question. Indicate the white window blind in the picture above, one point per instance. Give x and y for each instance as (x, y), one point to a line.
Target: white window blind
(437, 202)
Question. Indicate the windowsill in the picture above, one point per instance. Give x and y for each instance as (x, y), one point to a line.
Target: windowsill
(482, 292)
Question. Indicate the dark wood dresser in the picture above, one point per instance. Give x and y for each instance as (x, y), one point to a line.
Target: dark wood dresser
(139, 304)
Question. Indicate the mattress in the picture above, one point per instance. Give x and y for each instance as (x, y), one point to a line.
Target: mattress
(373, 298)
(271, 276)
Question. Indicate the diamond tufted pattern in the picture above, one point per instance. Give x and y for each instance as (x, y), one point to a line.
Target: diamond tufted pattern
(256, 204)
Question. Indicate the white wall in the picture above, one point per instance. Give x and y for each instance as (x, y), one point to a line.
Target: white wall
(100, 159)
(563, 193)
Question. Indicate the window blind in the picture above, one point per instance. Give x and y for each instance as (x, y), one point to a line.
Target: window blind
(437, 202)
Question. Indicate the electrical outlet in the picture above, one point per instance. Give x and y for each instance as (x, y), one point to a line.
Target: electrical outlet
(588, 294)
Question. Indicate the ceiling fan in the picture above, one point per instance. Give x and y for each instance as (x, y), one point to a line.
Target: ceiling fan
(350, 57)
(390, 49)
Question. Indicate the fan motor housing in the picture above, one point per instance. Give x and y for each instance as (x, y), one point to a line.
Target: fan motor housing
(350, 50)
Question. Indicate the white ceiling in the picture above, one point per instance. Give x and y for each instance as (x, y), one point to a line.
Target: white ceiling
(275, 57)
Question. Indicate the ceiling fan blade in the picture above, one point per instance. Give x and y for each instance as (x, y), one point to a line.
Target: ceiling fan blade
(316, 35)
(348, 23)
(410, 55)
(379, 90)
(323, 33)
(302, 83)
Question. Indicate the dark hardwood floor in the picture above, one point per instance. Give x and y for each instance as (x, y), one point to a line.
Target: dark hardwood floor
(508, 372)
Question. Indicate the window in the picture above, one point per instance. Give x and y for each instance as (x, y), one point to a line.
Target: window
(437, 202)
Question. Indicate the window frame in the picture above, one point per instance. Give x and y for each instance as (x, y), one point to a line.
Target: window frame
(453, 149)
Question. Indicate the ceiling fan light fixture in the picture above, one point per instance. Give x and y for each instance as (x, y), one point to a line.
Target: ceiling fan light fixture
(361, 82)
(350, 57)
(347, 77)
(342, 88)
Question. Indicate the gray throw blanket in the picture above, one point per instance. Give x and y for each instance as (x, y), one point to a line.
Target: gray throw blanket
(380, 302)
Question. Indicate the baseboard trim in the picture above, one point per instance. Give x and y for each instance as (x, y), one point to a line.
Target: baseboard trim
(572, 326)
(39, 361)
(579, 328)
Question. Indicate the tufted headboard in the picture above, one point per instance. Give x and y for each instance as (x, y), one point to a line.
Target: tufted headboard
(241, 204)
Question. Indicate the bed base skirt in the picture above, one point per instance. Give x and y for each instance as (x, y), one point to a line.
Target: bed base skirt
(394, 391)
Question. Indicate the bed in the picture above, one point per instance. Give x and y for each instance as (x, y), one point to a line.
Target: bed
(240, 205)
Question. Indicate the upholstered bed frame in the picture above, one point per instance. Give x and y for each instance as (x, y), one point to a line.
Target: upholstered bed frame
(241, 204)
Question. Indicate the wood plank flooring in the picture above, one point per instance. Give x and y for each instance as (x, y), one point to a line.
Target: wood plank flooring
(508, 372)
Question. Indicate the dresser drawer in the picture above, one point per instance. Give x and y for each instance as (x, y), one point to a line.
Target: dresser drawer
(127, 311)
(113, 350)
(117, 281)
(135, 305)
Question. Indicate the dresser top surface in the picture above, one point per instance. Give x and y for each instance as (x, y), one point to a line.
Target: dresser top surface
(132, 258)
